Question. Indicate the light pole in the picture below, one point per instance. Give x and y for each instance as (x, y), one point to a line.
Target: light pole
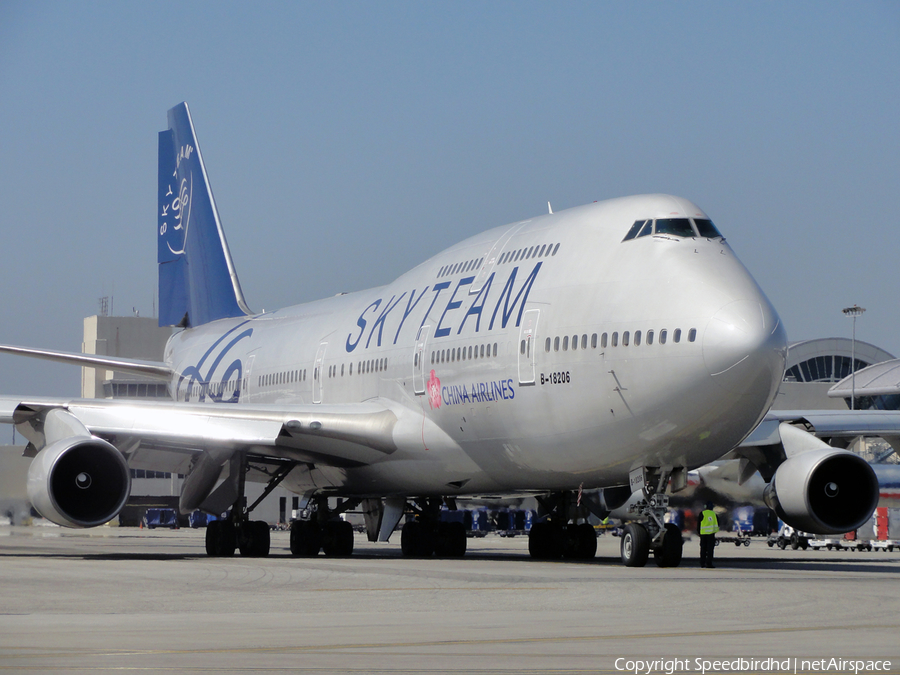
(853, 312)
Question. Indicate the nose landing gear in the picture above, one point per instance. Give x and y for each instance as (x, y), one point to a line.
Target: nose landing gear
(651, 532)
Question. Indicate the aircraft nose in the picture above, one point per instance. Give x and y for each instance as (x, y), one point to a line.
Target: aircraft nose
(744, 348)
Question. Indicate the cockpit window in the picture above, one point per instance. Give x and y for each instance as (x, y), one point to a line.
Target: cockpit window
(647, 229)
(677, 227)
(706, 228)
(632, 233)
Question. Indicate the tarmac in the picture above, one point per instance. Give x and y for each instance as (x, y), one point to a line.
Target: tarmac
(114, 599)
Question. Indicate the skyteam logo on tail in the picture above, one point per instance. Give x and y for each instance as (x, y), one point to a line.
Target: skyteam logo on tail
(197, 280)
(177, 210)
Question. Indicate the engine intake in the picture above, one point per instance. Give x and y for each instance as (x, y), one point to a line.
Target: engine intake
(81, 481)
(824, 491)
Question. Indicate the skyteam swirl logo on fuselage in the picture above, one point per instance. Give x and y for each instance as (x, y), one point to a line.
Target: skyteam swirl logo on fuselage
(193, 384)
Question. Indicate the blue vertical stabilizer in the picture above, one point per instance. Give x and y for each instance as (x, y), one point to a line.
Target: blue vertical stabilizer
(197, 280)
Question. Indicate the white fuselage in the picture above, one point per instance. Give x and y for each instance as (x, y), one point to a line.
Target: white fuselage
(529, 357)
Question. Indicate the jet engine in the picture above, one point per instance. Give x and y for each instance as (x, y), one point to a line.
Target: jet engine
(81, 481)
(823, 491)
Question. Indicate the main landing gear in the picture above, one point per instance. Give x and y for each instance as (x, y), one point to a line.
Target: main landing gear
(323, 529)
(250, 537)
(564, 532)
(428, 535)
(652, 534)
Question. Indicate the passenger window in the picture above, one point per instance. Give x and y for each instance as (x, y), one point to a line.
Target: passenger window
(574, 342)
(482, 350)
(542, 250)
(470, 352)
(495, 349)
(692, 335)
(594, 341)
(637, 338)
(677, 227)
(565, 343)
(662, 336)
(706, 228)
(555, 249)
(603, 341)
(649, 337)
(615, 339)
(547, 345)
(676, 336)
(584, 341)
(625, 337)
(556, 344)
(522, 347)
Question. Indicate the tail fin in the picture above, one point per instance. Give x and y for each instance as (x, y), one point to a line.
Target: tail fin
(197, 280)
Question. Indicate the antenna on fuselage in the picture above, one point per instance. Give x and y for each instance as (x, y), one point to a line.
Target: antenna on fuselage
(550, 208)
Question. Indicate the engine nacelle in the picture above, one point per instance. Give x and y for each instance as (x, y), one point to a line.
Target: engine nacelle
(824, 491)
(81, 481)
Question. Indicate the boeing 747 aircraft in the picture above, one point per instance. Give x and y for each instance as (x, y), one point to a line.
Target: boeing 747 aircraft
(616, 345)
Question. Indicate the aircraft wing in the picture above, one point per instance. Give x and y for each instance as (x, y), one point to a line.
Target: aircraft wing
(155, 369)
(843, 423)
(144, 431)
(767, 447)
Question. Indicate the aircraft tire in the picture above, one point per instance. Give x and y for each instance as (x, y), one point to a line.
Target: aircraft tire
(580, 542)
(306, 538)
(545, 541)
(416, 540)
(221, 539)
(669, 554)
(254, 540)
(635, 546)
(337, 539)
(451, 540)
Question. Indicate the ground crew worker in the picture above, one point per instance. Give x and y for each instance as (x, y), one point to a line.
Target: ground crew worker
(709, 525)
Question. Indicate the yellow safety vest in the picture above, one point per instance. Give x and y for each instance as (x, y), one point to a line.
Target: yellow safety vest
(709, 524)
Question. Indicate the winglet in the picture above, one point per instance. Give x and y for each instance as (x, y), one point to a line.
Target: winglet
(197, 279)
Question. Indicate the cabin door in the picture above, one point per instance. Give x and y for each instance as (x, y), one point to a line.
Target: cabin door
(528, 346)
(419, 361)
(319, 374)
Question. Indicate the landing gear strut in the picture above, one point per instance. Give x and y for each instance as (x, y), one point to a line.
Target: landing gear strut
(323, 529)
(652, 533)
(560, 534)
(428, 535)
(251, 537)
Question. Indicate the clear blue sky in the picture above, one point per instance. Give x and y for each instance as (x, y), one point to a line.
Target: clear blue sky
(346, 142)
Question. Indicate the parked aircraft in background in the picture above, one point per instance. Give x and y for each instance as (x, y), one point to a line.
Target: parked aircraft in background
(614, 345)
